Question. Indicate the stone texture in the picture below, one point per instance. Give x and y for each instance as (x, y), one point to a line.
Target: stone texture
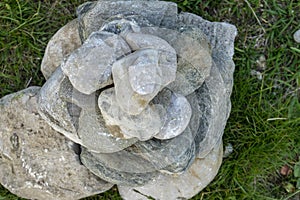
(74, 114)
(95, 136)
(142, 126)
(194, 56)
(60, 46)
(89, 67)
(172, 156)
(122, 168)
(184, 186)
(56, 111)
(93, 15)
(178, 114)
(37, 162)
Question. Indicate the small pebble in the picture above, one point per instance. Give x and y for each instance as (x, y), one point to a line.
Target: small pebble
(297, 36)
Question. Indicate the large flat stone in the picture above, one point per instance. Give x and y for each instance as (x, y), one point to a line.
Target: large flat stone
(36, 162)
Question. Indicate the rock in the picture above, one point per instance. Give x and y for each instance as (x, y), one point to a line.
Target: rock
(138, 78)
(212, 99)
(92, 16)
(297, 36)
(37, 162)
(122, 168)
(95, 136)
(56, 111)
(142, 126)
(74, 114)
(60, 46)
(178, 114)
(194, 56)
(184, 186)
(172, 156)
(89, 67)
(220, 36)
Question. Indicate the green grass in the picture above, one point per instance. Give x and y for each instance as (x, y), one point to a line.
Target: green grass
(264, 126)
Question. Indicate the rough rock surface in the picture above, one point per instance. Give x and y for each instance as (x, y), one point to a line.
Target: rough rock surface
(92, 15)
(122, 168)
(89, 67)
(142, 126)
(184, 186)
(61, 45)
(37, 162)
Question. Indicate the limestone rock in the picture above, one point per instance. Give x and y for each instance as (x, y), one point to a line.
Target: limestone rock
(89, 67)
(178, 114)
(138, 78)
(122, 168)
(142, 126)
(56, 111)
(172, 156)
(93, 15)
(95, 136)
(194, 56)
(60, 46)
(184, 186)
(37, 162)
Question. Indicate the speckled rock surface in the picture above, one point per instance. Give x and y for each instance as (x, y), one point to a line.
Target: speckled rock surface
(37, 162)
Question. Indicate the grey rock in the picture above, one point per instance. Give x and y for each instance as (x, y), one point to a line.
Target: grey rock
(212, 99)
(178, 114)
(130, 71)
(194, 56)
(60, 46)
(55, 110)
(122, 168)
(184, 186)
(89, 67)
(142, 126)
(98, 137)
(172, 156)
(37, 162)
(74, 114)
(297, 36)
(93, 15)
(220, 36)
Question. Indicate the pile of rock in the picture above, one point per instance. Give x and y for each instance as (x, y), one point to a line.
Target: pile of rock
(136, 95)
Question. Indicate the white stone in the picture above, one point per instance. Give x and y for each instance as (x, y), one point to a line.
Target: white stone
(89, 67)
(142, 126)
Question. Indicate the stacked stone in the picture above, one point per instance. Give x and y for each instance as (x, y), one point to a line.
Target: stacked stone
(136, 95)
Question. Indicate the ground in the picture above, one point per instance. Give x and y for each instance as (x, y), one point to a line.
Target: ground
(264, 125)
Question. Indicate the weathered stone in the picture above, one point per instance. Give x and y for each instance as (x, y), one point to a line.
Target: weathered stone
(122, 168)
(172, 156)
(95, 136)
(89, 67)
(178, 114)
(60, 46)
(54, 110)
(139, 68)
(142, 126)
(183, 186)
(92, 16)
(220, 36)
(194, 56)
(212, 99)
(37, 162)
